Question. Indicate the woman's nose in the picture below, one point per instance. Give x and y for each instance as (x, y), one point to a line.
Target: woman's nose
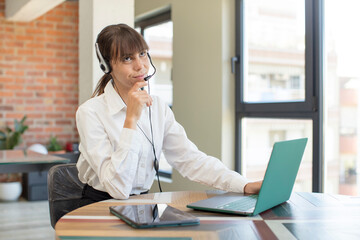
(138, 63)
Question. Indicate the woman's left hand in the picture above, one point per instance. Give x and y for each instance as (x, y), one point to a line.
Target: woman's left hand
(253, 187)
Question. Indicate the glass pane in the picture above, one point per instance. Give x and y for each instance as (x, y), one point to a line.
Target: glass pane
(260, 134)
(159, 39)
(274, 47)
(342, 92)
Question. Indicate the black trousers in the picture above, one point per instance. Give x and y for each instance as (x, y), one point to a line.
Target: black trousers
(93, 194)
(96, 195)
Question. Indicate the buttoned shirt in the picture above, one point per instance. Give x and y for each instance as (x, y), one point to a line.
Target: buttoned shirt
(120, 160)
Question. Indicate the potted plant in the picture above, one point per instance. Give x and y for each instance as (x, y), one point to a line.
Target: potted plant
(11, 138)
(10, 186)
(10, 183)
(54, 146)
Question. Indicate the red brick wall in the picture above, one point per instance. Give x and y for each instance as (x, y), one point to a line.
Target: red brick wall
(39, 73)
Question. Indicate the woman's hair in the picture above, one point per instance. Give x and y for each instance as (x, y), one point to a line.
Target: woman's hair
(115, 42)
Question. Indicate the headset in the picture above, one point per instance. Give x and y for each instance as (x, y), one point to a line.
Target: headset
(106, 68)
(104, 64)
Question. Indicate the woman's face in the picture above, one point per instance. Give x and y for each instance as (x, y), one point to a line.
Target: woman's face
(130, 69)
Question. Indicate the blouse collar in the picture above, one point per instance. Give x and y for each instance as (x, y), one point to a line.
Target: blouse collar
(113, 99)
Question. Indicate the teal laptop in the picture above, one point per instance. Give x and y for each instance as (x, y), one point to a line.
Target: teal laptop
(276, 188)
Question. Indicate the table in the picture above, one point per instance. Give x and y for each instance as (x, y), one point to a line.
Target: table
(304, 216)
(23, 161)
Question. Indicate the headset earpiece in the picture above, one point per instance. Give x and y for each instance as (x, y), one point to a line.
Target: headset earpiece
(104, 64)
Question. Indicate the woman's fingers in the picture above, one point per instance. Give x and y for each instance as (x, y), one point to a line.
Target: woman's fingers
(136, 101)
(137, 86)
(140, 97)
(253, 187)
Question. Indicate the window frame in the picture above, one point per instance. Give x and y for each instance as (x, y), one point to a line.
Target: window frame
(160, 17)
(311, 108)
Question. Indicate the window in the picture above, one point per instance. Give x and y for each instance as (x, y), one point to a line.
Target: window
(274, 46)
(259, 136)
(341, 97)
(278, 95)
(158, 33)
(295, 82)
(276, 135)
(291, 52)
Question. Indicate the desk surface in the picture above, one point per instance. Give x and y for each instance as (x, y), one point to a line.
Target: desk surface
(27, 161)
(304, 216)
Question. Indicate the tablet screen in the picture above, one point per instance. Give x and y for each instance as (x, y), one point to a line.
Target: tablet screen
(153, 215)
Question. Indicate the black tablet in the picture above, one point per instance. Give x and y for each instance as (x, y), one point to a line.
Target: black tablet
(153, 215)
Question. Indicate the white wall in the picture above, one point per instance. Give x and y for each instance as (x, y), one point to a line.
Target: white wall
(94, 15)
(204, 89)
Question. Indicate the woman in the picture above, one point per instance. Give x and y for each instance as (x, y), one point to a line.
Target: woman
(123, 129)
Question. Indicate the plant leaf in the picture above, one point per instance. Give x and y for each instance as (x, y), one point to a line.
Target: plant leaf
(25, 128)
(11, 138)
(2, 135)
(8, 130)
(23, 119)
(17, 125)
(2, 144)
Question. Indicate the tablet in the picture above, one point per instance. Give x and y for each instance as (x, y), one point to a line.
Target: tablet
(153, 215)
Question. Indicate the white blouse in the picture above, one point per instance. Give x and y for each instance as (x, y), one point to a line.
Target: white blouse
(120, 161)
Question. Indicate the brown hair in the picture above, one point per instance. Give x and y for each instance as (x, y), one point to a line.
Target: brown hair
(115, 42)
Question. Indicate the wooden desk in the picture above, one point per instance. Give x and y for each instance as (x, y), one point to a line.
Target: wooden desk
(304, 216)
(13, 161)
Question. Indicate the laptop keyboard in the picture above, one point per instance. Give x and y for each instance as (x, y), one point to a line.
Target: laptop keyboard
(243, 204)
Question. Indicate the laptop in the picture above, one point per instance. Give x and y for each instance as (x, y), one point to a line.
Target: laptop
(276, 188)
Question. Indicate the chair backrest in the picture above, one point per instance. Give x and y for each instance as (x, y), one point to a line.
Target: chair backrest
(72, 156)
(64, 191)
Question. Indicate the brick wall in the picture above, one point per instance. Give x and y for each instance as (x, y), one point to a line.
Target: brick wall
(39, 73)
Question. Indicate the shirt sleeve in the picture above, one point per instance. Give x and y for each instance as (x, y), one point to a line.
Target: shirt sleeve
(195, 165)
(115, 168)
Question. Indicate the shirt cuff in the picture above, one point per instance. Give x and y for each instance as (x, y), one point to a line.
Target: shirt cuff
(131, 139)
(238, 184)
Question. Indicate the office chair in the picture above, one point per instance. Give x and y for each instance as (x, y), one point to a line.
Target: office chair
(64, 191)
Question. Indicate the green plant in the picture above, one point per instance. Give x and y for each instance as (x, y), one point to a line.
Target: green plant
(11, 138)
(54, 145)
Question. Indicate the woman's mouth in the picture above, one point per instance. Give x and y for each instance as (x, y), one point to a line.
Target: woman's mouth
(142, 76)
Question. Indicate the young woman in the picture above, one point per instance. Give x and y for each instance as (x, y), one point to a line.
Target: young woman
(123, 129)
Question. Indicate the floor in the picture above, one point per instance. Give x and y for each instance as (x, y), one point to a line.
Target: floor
(23, 220)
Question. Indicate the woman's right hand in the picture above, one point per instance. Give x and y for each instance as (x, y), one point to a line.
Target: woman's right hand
(136, 100)
(253, 187)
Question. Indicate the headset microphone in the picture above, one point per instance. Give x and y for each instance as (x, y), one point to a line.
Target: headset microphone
(150, 76)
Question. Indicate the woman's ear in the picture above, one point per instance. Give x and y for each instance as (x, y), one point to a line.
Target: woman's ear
(104, 64)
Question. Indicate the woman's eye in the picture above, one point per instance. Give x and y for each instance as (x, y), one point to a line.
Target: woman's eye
(142, 54)
(127, 59)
